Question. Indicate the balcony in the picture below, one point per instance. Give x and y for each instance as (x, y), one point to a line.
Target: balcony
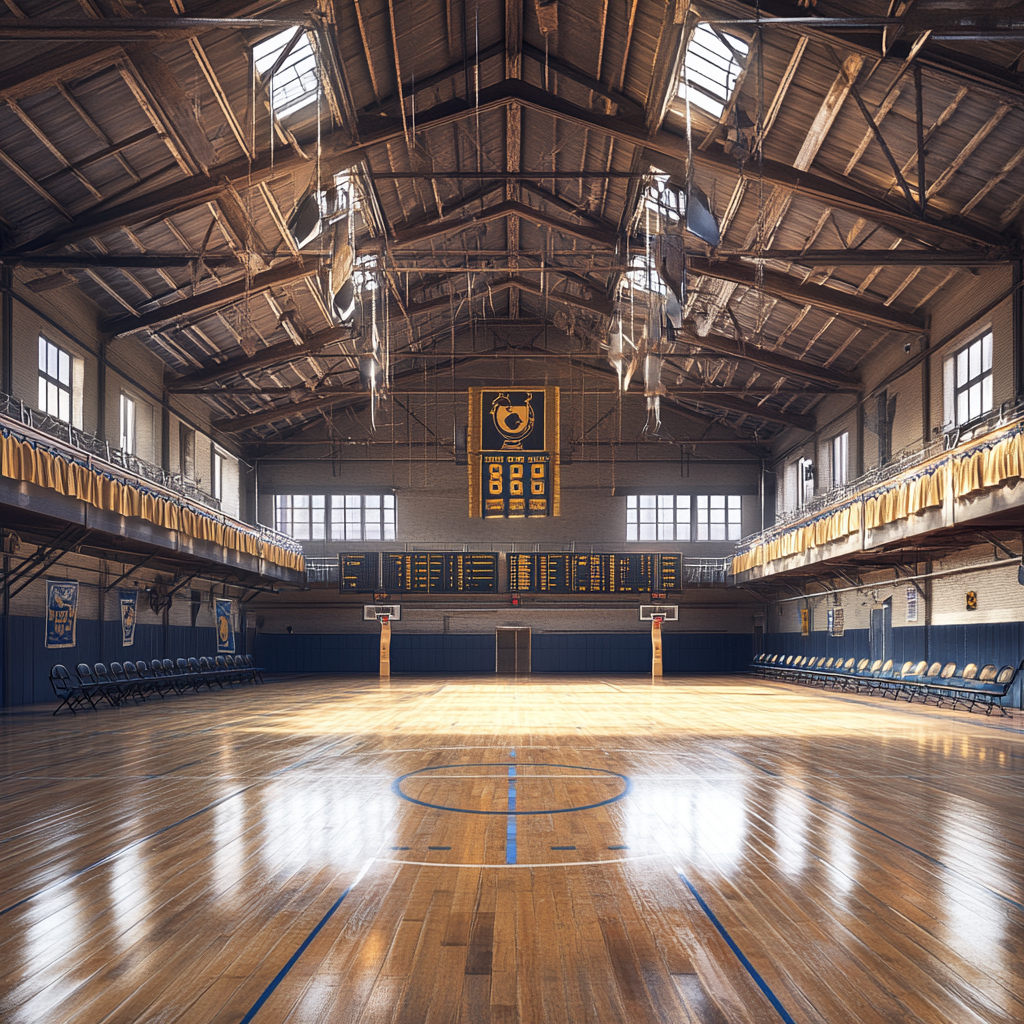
(52, 473)
(925, 503)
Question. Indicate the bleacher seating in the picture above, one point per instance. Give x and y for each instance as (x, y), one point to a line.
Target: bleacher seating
(941, 683)
(136, 680)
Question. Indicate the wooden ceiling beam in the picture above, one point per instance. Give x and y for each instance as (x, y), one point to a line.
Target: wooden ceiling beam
(868, 40)
(663, 148)
(783, 286)
(439, 228)
(215, 298)
(274, 355)
(773, 361)
(46, 70)
(140, 30)
(761, 412)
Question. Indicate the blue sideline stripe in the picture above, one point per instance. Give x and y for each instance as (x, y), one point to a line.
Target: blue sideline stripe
(751, 970)
(510, 829)
(160, 831)
(563, 847)
(885, 835)
(280, 976)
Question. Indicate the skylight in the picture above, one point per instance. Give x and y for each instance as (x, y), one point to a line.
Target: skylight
(711, 68)
(295, 82)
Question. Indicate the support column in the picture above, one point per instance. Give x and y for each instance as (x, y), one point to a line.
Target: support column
(657, 663)
(385, 647)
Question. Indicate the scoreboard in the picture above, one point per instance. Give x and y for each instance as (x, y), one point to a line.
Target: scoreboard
(438, 572)
(359, 573)
(565, 573)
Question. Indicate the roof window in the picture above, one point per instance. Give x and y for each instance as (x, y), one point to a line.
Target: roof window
(711, 68)
(288, 60)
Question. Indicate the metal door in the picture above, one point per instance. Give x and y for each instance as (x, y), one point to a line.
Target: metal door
(512, 650)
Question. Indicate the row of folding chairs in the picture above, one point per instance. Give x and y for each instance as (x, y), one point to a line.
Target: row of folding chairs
(944, 683)
(136, 680)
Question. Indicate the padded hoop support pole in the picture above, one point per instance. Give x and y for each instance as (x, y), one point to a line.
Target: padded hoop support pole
(385, 647)
(657, 664)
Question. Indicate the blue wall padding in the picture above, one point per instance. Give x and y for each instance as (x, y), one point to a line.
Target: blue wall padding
(30, 661)
(1001, 643)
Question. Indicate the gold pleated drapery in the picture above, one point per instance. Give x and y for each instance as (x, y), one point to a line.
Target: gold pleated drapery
(21, 460)
(996, 461)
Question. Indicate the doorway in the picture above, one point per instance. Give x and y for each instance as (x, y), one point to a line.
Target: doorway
(512, 650)
(880, 635)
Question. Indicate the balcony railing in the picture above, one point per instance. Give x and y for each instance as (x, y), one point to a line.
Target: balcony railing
(903, 462)
(93, 452)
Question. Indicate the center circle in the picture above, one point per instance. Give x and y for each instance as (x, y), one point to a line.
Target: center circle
(397, 786)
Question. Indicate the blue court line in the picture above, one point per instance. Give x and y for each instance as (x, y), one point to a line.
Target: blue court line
(160, 831)
(563, 847)
(510, 828)
(885, 835)
(396, 787)
(280, 976)
(751, 970)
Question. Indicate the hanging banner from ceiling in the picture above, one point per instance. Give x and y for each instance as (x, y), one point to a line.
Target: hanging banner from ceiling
(513, 441)
(129, 601)
(61, 612)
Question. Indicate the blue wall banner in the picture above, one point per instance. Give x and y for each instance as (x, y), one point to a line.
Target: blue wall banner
(61, 612)
(129, 600)
(225, 634)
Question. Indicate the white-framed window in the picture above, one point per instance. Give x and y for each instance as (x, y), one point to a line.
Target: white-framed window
(804, 481)
(643, 276)
(301, 516)
(653, 517)
(295, 81)
(711, 68)
(841, 459)
(127, 424)
(719, 516)
(363, 517)
(967, 382)
(54, 380)
(216, 474)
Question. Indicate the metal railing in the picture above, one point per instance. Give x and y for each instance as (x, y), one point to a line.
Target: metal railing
(902, 462)
(696, 571)
(95, 453)
(706, 572)
(321, 570)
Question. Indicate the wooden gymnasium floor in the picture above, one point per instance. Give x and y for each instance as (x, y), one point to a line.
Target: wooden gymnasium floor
(739, 851)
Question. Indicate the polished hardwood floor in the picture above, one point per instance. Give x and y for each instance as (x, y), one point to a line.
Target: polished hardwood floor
(707, 849)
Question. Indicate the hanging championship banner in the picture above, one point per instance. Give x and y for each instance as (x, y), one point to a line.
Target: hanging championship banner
(129, 601)
(61, 612)
(513, 442)
(225, 634)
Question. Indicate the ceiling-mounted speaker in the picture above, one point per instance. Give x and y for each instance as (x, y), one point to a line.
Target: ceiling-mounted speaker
(700, 221)
(304, 223)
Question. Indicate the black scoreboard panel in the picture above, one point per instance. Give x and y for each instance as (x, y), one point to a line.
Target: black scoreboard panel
(558, 573)
(472, 572)
(437, 572)
(670, 572)
(358, 573)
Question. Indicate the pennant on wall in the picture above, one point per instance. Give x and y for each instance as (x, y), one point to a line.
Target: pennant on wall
(61, 612)
(129, 601)
(513, 442)
(225, 634)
